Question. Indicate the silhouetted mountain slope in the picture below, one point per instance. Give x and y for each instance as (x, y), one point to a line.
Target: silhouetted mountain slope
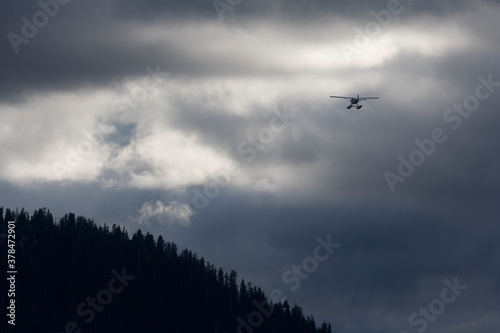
(76, 276)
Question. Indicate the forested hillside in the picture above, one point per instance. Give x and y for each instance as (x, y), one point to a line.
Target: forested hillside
(76, 276)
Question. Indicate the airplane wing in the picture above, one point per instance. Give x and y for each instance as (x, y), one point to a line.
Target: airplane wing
(365, 98)
(346, 98)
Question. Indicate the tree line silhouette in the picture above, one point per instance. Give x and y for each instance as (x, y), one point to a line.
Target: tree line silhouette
(69, 280)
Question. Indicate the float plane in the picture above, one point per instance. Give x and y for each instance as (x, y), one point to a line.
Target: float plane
(354, 100)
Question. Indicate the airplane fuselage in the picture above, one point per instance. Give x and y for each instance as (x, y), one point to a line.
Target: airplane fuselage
(355, 100)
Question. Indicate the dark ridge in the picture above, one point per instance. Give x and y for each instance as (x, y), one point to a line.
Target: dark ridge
(76, 276)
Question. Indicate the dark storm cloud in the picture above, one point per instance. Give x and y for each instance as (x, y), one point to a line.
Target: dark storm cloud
(89, 43)
(295, 9)
(70, 55)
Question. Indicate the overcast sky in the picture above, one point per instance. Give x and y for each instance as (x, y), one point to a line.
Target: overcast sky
(210, 123)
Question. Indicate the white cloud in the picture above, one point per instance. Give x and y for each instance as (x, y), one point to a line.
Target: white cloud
(173, 212)
(45, 131)
(167, 159)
